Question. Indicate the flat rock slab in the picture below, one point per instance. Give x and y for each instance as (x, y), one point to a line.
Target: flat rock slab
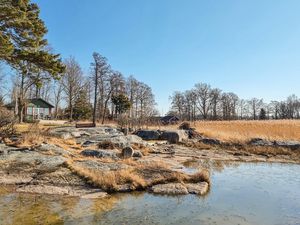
(83, 192)
(96, 195)
(170, 189)
(198, 188)
(181, 189)
(96, 165)
(100, 153)
(15, 179)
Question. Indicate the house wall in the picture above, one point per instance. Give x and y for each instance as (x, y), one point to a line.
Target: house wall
(34, 111)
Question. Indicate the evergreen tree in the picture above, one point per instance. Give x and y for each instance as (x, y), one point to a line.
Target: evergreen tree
(121, 102)
(262, 114)
(23, 46)
(82, 107)
(22, 38)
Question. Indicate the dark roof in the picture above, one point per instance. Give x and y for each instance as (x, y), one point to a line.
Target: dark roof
(168, 118)
(41, 103)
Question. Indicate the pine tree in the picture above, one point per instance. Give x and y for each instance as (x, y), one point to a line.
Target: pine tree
(22, 37)
(23, 46)
(262, 114)
(121, 102)
(82, 107)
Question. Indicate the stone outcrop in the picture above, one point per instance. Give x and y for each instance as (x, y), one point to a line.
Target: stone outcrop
(99, 153)
(174, 136)
(181, 188)
(94, 135)
(294, 145)
(170, 189)
(148, 134)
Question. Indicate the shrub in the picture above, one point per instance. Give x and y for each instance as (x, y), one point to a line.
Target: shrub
(7, 122)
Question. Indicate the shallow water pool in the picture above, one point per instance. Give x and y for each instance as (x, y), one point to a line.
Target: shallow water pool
(244, 193)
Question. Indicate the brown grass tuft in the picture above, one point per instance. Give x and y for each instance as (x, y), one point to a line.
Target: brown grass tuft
(106, 145)
(109, 180)
(201, 176)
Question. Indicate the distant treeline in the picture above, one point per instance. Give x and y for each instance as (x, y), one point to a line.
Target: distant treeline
(207, 103)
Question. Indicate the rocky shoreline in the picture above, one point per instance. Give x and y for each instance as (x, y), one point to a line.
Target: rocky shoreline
(131, 162)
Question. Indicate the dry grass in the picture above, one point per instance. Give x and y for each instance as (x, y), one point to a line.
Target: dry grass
(242, 131)
(138, 177)
(106, 145)
(197, 145)
(110, 180)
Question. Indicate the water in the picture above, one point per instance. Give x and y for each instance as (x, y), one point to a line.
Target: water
(240, 194)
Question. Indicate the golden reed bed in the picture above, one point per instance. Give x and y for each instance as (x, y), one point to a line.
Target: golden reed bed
(244, 130)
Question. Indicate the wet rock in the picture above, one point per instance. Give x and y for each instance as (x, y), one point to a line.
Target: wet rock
(175, 136)
(127, 152)
(95, 195)
(170, 189)
(137, 154)
(99, 153)
(148, 134)
(198, 188)
(211, 141)
(43, 189)
(83, 192)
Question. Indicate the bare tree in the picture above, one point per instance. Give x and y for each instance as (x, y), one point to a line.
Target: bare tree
(255, 105)
(203, 92)
(72, 83)
(57, 94)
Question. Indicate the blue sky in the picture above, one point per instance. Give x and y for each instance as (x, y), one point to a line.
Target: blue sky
(249, 47)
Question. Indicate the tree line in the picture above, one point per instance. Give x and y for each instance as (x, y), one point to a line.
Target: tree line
(39, 73)
(208, 103)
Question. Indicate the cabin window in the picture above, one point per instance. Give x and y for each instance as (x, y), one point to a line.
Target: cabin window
(29, 111)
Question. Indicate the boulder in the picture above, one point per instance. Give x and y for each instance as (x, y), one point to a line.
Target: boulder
(127, 152)
(99, 153)
(170, 189)
(148, 134)
(198, 188)
(175, 136)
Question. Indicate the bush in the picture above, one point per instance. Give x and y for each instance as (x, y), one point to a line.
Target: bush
(7, 122)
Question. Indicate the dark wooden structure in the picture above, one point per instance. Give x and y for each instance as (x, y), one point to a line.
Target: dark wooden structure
(85, 125)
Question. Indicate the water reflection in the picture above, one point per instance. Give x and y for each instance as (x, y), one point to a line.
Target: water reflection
(211, 165)
(241, 193)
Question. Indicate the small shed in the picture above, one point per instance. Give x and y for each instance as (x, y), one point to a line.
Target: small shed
(166, 120)
(38, 108)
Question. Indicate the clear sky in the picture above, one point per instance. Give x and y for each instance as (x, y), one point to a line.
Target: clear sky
(249, 47)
